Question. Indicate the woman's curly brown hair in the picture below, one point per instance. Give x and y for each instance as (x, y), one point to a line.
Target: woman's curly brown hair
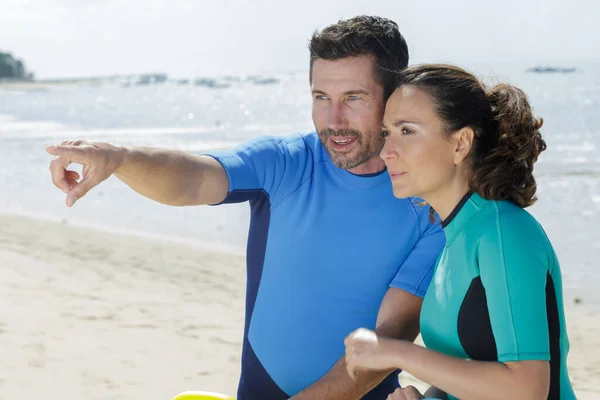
(507, 139)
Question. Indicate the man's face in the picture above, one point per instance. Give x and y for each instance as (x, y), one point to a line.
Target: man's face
(347, 109)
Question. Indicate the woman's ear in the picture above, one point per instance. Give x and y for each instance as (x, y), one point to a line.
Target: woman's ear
(463, 140)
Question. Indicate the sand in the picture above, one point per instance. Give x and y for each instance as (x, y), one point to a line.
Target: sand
(94, 315)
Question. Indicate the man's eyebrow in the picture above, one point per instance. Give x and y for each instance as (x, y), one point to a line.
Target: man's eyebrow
(355, 91)
(346, 93)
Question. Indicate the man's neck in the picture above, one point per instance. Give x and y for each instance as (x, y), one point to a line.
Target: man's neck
(371, 166)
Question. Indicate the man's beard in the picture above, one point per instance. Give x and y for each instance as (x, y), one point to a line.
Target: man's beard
(346, 160)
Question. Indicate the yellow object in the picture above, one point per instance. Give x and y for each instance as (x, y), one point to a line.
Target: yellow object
(193, 395)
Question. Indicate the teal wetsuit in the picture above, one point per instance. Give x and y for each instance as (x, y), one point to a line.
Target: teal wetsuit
(496, 293)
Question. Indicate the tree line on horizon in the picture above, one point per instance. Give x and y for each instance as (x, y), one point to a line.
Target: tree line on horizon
(13, 68)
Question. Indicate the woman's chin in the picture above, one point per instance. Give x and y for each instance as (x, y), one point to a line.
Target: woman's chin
(402, 192)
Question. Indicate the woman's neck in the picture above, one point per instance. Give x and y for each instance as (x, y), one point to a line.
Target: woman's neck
(445, 200)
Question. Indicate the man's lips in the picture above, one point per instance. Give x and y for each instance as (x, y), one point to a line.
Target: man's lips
(342, 142)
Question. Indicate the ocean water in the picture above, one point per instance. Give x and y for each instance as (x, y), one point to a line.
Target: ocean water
(198, 118)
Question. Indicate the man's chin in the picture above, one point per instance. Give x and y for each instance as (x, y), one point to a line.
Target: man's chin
(345, 161)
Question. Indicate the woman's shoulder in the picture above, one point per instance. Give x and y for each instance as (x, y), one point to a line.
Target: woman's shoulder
(504, 223)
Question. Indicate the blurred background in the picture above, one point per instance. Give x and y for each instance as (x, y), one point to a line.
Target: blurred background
(198, 75)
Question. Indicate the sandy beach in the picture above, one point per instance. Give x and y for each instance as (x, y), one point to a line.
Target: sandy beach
(89, 314)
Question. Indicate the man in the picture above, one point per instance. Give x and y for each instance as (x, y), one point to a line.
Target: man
(330, 248)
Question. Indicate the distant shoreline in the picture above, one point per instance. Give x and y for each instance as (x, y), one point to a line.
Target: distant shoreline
(129, 80)
(45, 83)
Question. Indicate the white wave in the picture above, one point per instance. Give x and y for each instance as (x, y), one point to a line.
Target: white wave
(13, 128)
(585, 146)
(174, 137)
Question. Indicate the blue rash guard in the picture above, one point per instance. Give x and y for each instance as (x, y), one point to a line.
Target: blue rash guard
(324, 246)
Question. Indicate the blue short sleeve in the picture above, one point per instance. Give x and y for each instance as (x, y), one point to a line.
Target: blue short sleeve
(269, 164)
(414, 275)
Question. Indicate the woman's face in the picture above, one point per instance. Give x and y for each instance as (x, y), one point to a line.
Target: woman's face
(419, 156)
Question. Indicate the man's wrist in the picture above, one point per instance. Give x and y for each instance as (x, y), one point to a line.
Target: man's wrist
(121, 156)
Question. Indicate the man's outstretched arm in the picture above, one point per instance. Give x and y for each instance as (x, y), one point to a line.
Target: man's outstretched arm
(167, 176)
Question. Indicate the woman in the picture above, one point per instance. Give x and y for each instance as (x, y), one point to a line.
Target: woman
(492, 319)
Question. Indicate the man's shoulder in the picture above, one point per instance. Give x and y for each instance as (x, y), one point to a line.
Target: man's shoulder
(269, 148)
(308, 141)
(290, 144)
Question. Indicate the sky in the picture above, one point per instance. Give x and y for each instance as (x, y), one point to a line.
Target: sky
(190, 38)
